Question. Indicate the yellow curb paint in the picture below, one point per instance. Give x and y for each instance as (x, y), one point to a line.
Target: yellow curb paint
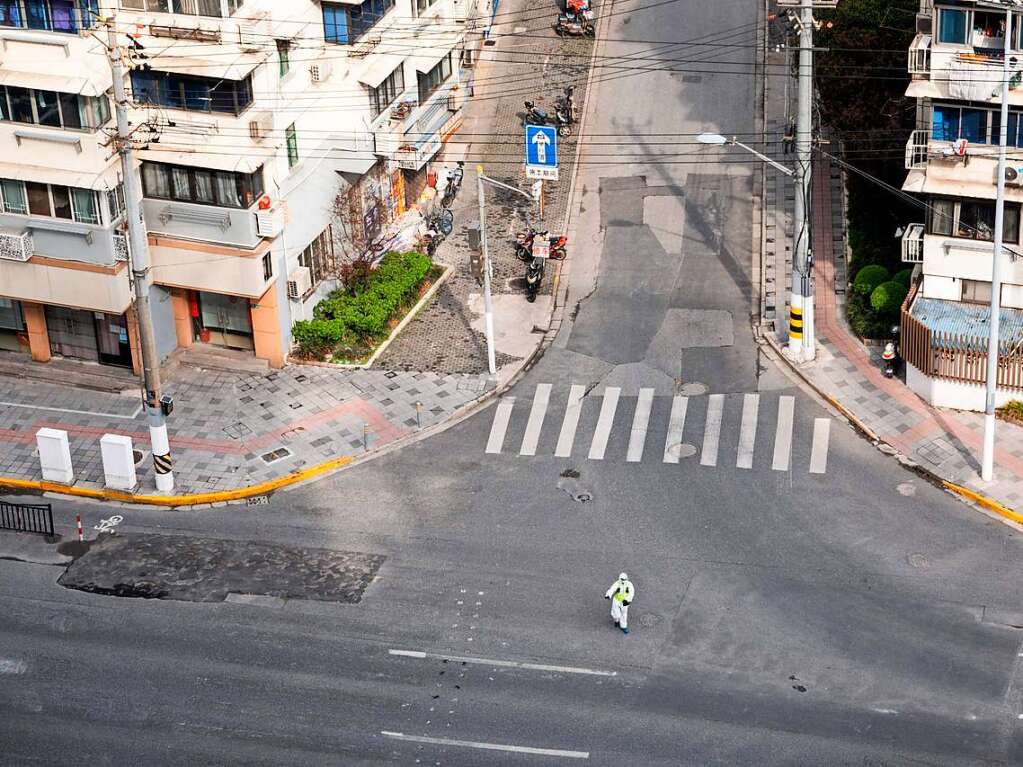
(239, 493)
(983, 500)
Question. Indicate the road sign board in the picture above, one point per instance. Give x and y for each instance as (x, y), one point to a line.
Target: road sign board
(542, 152)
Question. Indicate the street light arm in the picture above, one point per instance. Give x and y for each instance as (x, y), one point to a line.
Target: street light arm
(508, 187)
(764, 157)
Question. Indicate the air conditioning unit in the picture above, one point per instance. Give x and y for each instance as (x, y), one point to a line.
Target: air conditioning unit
(924, 23)
(254, 34)
(269, 223)
(1014, 176)
(299, 282)
(320, 71)
(260, 126)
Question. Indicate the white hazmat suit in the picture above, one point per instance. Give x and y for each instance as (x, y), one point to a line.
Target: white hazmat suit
(621, 595)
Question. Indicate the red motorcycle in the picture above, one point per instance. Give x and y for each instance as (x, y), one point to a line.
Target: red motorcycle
(524, 245)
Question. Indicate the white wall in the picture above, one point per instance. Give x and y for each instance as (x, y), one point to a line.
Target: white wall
(952, 394)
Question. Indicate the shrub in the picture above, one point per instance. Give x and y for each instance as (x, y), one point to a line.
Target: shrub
(345, 316)
(905, 277)
(887, 298)
(863, 320)
(868, 278)
(1014, 409)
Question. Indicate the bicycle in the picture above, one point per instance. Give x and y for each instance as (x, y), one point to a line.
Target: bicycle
(454, 183)
(442, 221)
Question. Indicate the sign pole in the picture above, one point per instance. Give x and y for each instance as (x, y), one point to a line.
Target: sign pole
(488, 305)
(541, 199)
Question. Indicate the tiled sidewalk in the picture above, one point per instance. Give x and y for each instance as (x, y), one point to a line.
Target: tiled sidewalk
(945, 442)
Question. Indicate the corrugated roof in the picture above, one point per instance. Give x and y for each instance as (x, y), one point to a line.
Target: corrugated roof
(958, 325)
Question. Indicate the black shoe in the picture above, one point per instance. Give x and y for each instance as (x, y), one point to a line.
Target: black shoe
(616, 625)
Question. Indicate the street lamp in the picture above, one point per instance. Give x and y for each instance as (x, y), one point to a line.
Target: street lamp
(716, 139)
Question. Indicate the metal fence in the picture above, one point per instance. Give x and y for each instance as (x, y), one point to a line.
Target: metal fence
(27, 517)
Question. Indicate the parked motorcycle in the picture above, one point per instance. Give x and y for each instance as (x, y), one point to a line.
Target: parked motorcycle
(566, 105)
(576, 24)
(537, 116)
(442, 221)
(534, 276)
(524, 245)
(890, 359)
(453, 184)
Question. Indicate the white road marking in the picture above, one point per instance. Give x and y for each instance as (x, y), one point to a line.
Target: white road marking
(571, 422)
(819, 451)
(640, 423)
(502, 414)
(131, 417)
(604, 423)
(712, 430)
(783, 434)
(12, 666)
(676, 423)
(747, 431)
(536, 415)
(488, 746)
(502, 663)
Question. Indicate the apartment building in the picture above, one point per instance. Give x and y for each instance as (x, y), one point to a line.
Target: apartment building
(955, 65)
(251, 118)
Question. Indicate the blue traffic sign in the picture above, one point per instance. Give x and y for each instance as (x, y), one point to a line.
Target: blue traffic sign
(541, 147)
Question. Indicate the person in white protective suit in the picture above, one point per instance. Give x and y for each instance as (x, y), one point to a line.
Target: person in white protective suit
(621, 594)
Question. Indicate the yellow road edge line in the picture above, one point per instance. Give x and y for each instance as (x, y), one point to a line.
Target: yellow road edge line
(983, 500)
(194, 499)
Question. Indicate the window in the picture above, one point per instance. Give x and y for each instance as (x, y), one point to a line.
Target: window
(421, 6)
(950, 122)
(53, 109)
(952, 26)
(283, 60)
(184, 7)
(432, 80)
(291, 137)
(50, 15)
(268, 266)
(318, 256)
(50, 200)
(346, 23)
(385, 93)
(976, 292)
(973, 220)
(115, 202)
(198, 94)
(201, 185)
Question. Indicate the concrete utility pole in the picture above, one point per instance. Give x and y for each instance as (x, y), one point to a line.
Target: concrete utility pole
(801, 321)
(488, 304)
(987, 464)
(138, 263)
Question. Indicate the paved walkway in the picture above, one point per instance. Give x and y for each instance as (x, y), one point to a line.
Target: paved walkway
(945, 442)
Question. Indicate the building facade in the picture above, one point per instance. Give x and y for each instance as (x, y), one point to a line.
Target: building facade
(955, 65)
(252, 119)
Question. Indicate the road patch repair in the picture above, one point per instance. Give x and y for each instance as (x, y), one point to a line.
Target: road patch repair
(210, 570)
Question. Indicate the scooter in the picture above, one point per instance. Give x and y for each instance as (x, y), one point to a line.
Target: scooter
(534, 276)
(576, 25)
(890, 359)
(537, 116)
(566, 105)
(524, 245)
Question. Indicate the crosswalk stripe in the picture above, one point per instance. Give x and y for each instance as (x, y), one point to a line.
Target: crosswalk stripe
(604, 423)
(571, 422)
(747, 431)
(676, 423)
(640, 422)
(712, 430)
(502, 414)
(783, 434)
(819, 451)
(536, 415)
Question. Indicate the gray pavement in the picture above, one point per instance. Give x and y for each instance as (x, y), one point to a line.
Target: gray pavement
(783, 617)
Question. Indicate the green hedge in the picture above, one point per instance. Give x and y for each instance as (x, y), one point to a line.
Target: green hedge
(905, 277)
(346, 318)
(887, 298)
(869, 277)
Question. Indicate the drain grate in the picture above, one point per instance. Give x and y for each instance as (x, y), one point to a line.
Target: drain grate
(276, 455)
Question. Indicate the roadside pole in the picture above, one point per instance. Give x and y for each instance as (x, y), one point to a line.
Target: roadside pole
(488, 305)
(801, 316)
(987, 464)
(138, 262)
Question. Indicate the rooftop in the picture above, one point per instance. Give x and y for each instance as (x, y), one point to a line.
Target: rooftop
(958, 325)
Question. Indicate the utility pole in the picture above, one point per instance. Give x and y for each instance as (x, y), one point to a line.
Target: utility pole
(138, 263)
(488, 304)
(801, 320)
(987, 464)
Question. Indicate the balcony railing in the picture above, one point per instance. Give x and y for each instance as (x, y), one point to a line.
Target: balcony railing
(916, 149)
(49, 16)
(920, 58)
(121, 248)
(16, 246)
(415, 137)
(913, 244)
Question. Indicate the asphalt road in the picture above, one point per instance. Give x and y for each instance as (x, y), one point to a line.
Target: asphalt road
(824, 608)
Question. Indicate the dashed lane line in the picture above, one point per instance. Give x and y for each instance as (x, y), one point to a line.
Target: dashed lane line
(488, 746)
(501, 663)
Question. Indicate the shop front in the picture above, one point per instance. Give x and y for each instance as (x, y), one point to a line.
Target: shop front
(221, 320)
(12, 326)
(90, 336)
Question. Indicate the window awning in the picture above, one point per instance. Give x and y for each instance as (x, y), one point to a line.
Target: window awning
(377, 67)
(220, 67)
(431, 47)
(47, 82)
(229, 159)
(108, 179)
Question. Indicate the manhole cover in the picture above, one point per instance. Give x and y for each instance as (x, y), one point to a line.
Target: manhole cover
(693, 389)
(582, 497)
(682, 450)
(276, 455)
(906, 488)
(649, 619)
(917, 560)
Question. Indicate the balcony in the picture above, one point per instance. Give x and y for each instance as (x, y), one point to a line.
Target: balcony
(412, 138)
(55, 238)
(916, 149)
(920, 58)
(913, 244)
(235, 227)
(16, 246)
